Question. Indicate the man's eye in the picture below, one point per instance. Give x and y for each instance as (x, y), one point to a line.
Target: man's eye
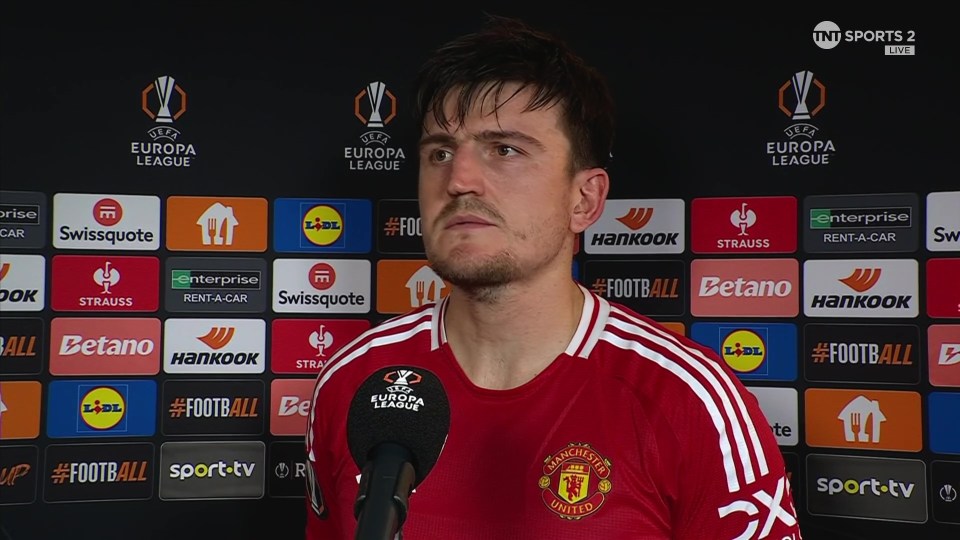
(441, 155)
(504, 150)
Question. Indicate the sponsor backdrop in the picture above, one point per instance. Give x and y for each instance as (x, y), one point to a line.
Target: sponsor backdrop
(200, 206)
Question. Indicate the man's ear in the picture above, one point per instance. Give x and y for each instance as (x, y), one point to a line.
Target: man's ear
(592, 186)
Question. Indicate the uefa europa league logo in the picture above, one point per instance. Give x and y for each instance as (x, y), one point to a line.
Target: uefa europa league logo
(163, 87)
(375, 92)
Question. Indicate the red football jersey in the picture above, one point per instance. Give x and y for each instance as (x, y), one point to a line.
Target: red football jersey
(633, 432)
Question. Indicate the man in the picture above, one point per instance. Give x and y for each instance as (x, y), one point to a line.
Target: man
(571, 417)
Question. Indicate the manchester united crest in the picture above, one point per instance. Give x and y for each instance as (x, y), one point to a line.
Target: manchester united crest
(575, 481)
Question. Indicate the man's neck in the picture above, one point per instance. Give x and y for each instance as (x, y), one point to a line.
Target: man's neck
(504, 338)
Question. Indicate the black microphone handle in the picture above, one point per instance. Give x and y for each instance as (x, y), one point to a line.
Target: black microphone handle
(385, 485)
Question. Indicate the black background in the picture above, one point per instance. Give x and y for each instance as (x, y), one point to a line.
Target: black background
(271, 88)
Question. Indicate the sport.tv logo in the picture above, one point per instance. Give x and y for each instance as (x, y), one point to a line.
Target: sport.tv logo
(868, 488)
(861, 288)
(212, 470)
(214, 345)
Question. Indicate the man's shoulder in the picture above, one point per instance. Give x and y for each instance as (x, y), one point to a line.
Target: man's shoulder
(408, 334)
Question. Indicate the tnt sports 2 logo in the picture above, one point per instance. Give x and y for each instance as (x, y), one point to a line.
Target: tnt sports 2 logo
(164, 101)
(827, 35)
(575, 481)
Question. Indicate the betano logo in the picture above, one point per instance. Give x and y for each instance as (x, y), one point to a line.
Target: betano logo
(290, 405)
(636, 218)
(102, 408)
(218, 337)
(745, 287)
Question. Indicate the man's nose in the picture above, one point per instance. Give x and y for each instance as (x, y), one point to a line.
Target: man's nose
(466, 173)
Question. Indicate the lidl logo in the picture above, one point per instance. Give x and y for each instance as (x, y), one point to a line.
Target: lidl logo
(323, 225)
(744, 350)
(754, 351)
(102, 408)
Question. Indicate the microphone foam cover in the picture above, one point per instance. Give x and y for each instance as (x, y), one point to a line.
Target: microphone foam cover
(405, 405)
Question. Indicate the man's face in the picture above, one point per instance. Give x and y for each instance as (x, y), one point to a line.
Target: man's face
(496, 192)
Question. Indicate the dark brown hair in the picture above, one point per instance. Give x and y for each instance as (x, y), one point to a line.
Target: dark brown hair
(506, 51)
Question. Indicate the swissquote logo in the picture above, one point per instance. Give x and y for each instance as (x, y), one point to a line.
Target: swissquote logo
(744, 287)
(943, 221)
(860, 288)
(214, 346)
(780, 407)
(104, 346)
(321, 286)
(86, 221)
(22, 282)
(638, 226)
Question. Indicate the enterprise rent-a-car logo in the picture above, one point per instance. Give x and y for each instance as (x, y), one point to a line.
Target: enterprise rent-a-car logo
(899, 42)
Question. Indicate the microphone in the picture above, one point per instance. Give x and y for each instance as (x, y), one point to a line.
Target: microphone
(396, 427)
